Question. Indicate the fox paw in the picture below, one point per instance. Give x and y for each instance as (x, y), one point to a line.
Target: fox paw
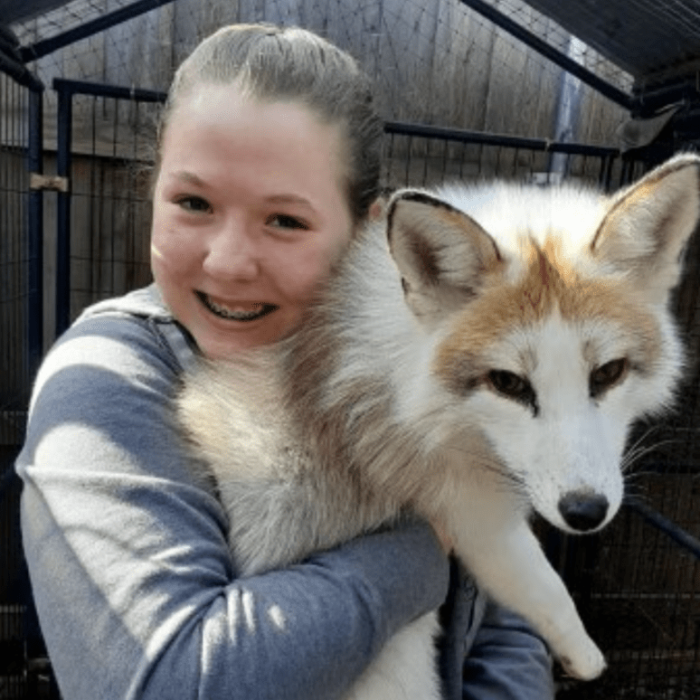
(587, 664)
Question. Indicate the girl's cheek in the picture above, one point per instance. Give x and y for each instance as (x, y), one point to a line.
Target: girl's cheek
(314, 273)
(171, 250)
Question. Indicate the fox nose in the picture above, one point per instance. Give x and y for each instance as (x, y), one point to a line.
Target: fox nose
(583, 511)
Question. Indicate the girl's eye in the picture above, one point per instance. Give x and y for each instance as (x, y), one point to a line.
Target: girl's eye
(193, 204)
(288, 222)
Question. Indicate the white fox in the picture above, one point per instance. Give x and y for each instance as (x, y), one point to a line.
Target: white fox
(487, 362)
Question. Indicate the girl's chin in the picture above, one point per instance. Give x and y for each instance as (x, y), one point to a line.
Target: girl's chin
(222, 340)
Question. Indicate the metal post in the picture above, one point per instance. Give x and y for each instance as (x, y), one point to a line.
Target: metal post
(63, 163)
(35, 239)
(568, 108)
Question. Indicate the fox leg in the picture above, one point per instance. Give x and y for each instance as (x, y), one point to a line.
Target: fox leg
(494, 541)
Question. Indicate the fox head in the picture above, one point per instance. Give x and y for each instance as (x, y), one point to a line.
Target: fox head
(548, 311)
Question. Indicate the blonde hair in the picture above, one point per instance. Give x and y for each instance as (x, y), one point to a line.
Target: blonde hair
(288, 63)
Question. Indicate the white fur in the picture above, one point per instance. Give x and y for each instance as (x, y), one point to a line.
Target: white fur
(378, 368)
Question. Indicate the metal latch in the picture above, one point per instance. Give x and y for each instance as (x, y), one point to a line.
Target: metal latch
(55, 183)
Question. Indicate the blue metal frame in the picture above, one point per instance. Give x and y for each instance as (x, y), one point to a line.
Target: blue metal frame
(66, 89)
(82, 87)
(35, 238)
(63, 165)
(607, 155)
(18, 72)
(492, 139)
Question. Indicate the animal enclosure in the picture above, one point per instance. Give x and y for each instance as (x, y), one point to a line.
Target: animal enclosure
(466, 95)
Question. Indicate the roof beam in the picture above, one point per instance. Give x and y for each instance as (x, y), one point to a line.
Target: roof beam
(543, 48)
(19, 72)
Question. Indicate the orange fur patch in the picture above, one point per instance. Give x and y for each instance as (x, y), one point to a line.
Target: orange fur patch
(550, 285)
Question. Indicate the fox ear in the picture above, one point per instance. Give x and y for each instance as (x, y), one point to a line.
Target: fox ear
(443, 255)
(648, 224)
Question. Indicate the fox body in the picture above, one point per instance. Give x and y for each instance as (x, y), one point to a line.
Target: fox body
(481, 352)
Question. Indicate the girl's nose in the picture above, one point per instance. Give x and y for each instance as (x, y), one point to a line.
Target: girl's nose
(232, 253)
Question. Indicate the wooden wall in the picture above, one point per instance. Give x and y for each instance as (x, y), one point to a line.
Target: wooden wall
(437, 62)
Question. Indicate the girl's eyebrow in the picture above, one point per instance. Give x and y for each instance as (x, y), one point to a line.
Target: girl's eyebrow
(188, 177)
(279, 199)
(191, 178)
(289, 199)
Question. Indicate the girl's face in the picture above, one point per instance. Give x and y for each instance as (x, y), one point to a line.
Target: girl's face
(249, 215)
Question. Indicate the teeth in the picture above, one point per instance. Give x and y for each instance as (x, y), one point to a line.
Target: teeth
(258, 310)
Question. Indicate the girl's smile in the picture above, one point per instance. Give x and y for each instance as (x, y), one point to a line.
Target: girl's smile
(250, 214)
(236, 311)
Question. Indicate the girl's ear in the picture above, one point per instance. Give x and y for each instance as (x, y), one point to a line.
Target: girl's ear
(380, 206)
(376, 210)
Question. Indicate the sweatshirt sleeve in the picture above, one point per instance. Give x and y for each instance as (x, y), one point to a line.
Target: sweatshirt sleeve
(125, 542)
(506, 660)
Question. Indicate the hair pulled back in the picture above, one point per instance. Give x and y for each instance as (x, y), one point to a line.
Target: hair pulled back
(274, 63)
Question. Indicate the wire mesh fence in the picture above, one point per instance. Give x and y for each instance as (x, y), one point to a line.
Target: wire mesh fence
(14, 181)
(109, 204)
(638, 594)
(427, 156)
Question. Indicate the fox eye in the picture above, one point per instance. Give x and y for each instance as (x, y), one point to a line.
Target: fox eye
(513, 386)
(606, 376)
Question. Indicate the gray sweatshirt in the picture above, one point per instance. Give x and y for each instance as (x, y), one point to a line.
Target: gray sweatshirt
(136, 592)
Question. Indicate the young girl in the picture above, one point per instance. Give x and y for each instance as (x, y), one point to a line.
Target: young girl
(268, 164)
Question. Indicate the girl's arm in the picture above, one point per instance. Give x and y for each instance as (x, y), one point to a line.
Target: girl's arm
(136, 592)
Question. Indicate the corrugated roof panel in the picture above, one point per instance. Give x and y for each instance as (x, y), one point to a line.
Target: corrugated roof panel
(20, 10)
(644, 37)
